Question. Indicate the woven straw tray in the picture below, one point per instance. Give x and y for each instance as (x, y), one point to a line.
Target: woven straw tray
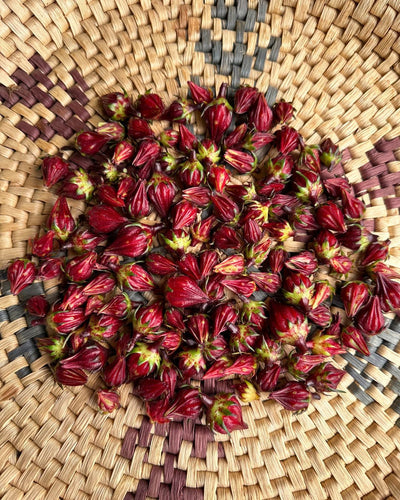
(338, 62)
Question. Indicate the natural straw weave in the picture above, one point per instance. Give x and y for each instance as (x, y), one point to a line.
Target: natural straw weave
(338, 61)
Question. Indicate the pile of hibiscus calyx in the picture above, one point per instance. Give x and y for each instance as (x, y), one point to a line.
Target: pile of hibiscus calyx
(180, 274)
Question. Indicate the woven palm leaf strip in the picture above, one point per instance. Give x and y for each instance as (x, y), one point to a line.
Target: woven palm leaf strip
(53, 443)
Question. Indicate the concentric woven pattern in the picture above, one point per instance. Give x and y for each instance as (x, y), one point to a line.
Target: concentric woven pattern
(338, 63)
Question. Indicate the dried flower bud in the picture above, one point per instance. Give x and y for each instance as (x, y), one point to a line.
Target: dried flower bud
(138, 128)
(21, 273)
(161, 265)
(245, 98)
(267, 378)
(200, 95)
(226, 237)
(183, 214)
(91, 357)
(183, 291)
(150, 106)
(242, 161)
(260, 115)
(287, 140)
(370, 318)
(293, 397)
(132, 276)
(116, 105)
(241, 286)
(143, 360)
(287, 323)
(70, 376)
(132, 241)
(325, 377)
(354, 294)
(148, 319)
(353, 338)
(304, 262)
(246, 391)
(60, 219)
(330, 154)
(161, 191)
(37, 306)
(107, 401)
(224, 413)
(283, 112)
(90, 143)
(54, 169)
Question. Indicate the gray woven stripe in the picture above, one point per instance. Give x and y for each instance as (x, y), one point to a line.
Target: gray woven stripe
(357, 365)
(26, 336)
(238, 63)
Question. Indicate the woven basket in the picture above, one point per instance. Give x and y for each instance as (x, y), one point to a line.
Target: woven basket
(338, 61)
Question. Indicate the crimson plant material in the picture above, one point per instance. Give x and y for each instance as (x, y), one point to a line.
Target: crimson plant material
(181, 267)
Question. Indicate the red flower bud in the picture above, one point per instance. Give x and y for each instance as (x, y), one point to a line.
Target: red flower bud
(60, 219)
(199, 327)
(80, 268)
(376, 251)
(283, 112)
(94, 304)
(370, 318)
(320, 315)
(325, 377)
(107, 401)
(77, 185)
(287, 140)
(192, 173)
(269, 351)
(246, 391)
(139, 129)
(226, 237)
(161, 191)
(200, 95)
(158, 264)
(267, 282)
(105, 219)
(188, 265)
(309, 158)
(54, 346)
(242, 337)
(330, 154)
(224, 413)
(138, 205)
(287, 323)
(144, 359)
(101, 284)
(308, 186)
(341, 264)
(356, 237)
(123, 151)
(70, 376)
(201, 231)
(73, 298)
(132, 276)
(225, 209)
(293, 397)
(43, 246)
(21, 273)
(279, 168)
(267, 378)
(133, 240)
(277, 258)
(148, 319)
(354, 294)
(191, 362)
(113, 130)
(281, 231)
(187, 140)
(54, 169)
(353, 338)
(322, 291)
(150, 106)
(183, 214)
(179, 111)
(186, 404)
(388, 292)
(148, 152)
(304, 262)
(150, 389)
(37, 306)
(114, 372)
(251, 231)
(304, 218)
(260, 115)
(325, 246)
(241, 286)
(176, 240)
(242, 161)
(184, 292)
(103, 326)
(218, 177)
(325, 345)
(335, 185)
(298, 290)
(198, 195)
(231, 265)
(91, 357)
(174, 319)
(330, 217)
(257, 140)
(245, 98)
(90, 143)
(116, 105)
(119, 306)
(169, 138)
(50, 269)
(218, 116)
(353, 208)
